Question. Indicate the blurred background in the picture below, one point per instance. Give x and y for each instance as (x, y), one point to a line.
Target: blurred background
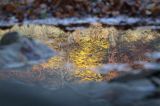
(71, 14)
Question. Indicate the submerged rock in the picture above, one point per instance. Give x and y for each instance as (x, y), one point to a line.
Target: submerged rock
(17, 51)
(146, 70)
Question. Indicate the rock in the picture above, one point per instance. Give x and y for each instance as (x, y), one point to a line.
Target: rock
(9, 38)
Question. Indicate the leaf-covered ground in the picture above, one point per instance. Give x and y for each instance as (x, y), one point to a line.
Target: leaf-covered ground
(35, 9)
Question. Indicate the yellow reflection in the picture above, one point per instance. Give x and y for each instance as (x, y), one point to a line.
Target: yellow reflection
(90, 52)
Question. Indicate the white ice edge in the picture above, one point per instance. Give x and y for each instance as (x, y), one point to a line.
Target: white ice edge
(67, 21)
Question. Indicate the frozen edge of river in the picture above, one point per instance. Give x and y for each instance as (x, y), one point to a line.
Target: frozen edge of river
(119, 20)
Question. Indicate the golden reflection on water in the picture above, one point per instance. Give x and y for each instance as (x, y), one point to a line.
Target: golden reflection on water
(83, 49)
(89, 53)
